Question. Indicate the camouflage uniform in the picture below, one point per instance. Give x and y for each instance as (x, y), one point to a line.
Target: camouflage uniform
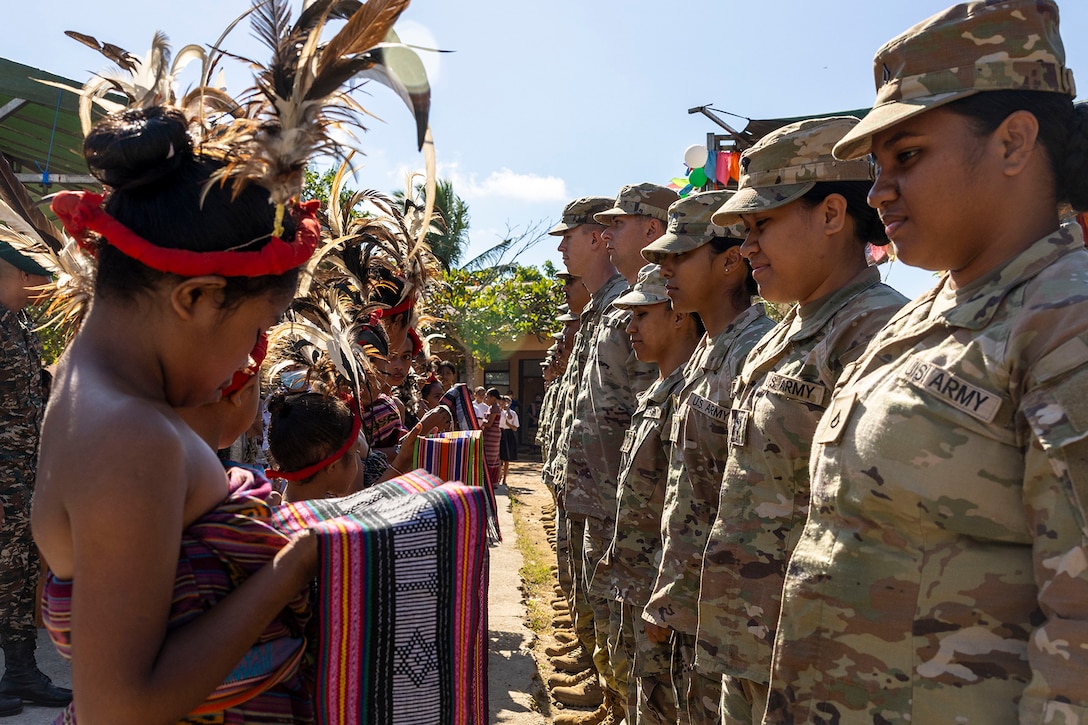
(940, 576)
(22, 403)
(937, 576)
(579, 211)
(782, 390)
(776, 402)
(630, 562)
(698, 442)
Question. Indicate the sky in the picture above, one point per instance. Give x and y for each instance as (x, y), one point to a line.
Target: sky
(539, 103)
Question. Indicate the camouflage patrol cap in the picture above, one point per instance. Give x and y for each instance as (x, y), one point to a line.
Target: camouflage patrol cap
(567, 277)
(964, 50)
(568, 317)
(579, 212)
(22, 261)
(646, 199)
(649, 289)
(690, 226)
(785, 164)
(558, 335)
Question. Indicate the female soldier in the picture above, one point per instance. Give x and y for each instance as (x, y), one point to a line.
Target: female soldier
(808, 227)
(705, 275)
(941, 576)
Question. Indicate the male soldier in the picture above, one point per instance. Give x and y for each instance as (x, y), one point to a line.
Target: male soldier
(586, 257)
(606, 399)
(22, 403)
(707, 276)
(666, 338)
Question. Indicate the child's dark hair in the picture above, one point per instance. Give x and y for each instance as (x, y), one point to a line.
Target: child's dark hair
(305, 428)
(429, 387)
(1063, 132)
(158, 189)
(868, 228)
(719, 245)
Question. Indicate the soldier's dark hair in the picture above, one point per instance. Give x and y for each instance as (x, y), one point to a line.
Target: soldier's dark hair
(868, 229)
(1063, 132)
(719, 245)
(305, 428)
(156, 187)
(700, 328)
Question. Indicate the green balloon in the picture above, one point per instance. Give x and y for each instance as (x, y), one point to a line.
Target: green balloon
(697, 178)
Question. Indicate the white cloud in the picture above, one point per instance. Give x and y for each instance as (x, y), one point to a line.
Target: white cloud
(508, 184)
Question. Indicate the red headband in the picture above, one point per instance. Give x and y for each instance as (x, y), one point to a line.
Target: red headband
(304, 473)
(243, 376)
(403, 306)
(417, 344)
(82, 212)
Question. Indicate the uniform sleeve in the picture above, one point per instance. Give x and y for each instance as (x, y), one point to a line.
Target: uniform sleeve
(1055, 494)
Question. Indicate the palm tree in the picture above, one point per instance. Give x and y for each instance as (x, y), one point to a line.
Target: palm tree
(451, 212)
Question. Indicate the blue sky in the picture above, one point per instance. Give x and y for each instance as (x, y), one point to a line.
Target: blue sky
(546, 101)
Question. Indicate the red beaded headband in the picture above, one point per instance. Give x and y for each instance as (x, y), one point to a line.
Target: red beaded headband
(81, 212)
(243, 376)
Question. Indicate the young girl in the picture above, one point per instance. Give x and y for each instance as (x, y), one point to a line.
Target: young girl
(508, 444)
(940, 576)
(808, 227)
(189, 275)
(315, 443)
(492, 434)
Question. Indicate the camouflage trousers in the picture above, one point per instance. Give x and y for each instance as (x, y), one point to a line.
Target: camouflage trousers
(19, 564)
(650, 696)
(743, 701)
(578, 595)
(606, 618)
(562, 551)
(698, 696)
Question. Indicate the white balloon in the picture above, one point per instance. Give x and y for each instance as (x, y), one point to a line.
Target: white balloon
(695, 156)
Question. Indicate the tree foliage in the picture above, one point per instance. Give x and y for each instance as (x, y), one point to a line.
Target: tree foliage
(481, 309)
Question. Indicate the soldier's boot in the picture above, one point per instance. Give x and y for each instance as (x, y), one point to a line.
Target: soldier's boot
(564, 635)
(577, 661)
(585, 694)
(10, 705)
(582, 718)
(563, 620)
(22, 678)
(613, 703)
(558, 650)
(559, 679)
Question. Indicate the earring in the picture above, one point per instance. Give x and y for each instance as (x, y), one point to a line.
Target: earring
(726, 270)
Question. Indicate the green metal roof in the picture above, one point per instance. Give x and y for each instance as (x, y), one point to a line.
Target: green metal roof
(39, 129)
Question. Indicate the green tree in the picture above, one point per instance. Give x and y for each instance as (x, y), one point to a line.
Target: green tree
(450, 239)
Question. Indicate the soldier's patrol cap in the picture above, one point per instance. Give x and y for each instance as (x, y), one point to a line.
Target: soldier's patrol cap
(568, 317)
(21, 261)
(785, 164)
(558, 335)
(646, 199)
(649, 289)
(691, 226)
(579, 212)
(964, 50)
(567, 277)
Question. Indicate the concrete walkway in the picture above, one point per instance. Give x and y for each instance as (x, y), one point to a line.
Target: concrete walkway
(512, 670)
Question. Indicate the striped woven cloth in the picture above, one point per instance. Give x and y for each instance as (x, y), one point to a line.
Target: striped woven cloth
(402, 603)
(459, 400)
(218, 552)
(459, 456)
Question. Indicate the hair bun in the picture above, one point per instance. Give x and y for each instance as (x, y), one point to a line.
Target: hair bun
(137, 147)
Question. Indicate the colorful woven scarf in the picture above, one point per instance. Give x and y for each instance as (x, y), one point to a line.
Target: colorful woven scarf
(402, 602)
(459, 456)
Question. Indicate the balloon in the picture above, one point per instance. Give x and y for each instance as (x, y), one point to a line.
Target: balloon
(685, 191)
(680, 182)
(695, 156)
(697, 178)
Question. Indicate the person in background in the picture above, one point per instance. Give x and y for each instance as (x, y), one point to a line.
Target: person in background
(447, 373)
(492, 434)
(480, 404)
(508, 444)
(22, 403)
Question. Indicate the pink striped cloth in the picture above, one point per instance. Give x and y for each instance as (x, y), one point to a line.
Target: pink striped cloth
(402, 602)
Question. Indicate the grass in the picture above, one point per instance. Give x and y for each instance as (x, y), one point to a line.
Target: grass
(536, 574)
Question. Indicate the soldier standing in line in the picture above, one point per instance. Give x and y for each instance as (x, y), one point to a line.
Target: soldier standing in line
(794, 199)
(606, 399)
(667, 339)
(941, 574)
(22, 404)
(586, 257)
(705, 275)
